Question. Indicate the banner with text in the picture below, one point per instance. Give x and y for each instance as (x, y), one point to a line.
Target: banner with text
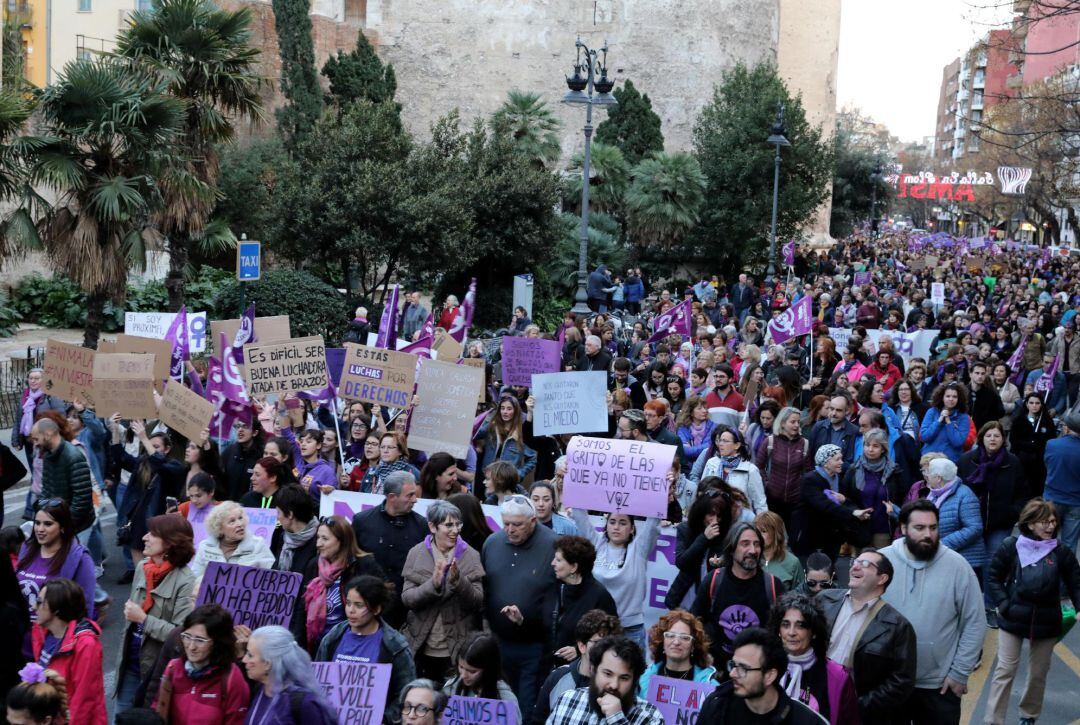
(479, 711)
(678, 700)
(185, 411)
(356, 690)
(255, 597)
(523, 357)
(160, 349)
(377, 375)
(624, 476)
(124, 384)
(442, 421)
(69, 371)
(908, 344)
(570, 403)
(156, 324)
(287, 366)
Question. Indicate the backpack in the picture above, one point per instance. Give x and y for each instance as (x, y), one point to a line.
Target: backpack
(718, 579)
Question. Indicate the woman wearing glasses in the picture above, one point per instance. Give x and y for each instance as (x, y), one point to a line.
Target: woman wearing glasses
(204, 685)
(811, 678)
(287, 691)
(421, 703)
(442, 589)
(53, 552)
(680, 650)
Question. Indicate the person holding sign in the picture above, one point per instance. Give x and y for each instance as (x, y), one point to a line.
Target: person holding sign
(204, 686)
(365, 637)
(287, 692)
(479, 667)
(500, 438)
(154, 477)
(679, 649)
(228, 540)
(443, 587)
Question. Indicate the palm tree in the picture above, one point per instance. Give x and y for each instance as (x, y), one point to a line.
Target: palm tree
(609, 175)
(205, 56)
(664, 198)
(17, 230)
(532, 125)
(109, 131)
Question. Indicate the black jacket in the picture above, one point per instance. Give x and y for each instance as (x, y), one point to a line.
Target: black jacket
(389, 538)
(360, 566)
(601, 362)
(822, 523)
(1028, 599)
(787, 711)
(144, 499)
(820, 434)
(690, 551)
(1000, 497)
(985, 405)
(302, 564)
(860, 531)
(236, 465)
(883, 663)
(577, 599)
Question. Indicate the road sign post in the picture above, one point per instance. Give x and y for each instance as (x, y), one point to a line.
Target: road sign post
(248, 265)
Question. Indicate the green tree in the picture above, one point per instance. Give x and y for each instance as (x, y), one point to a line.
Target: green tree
(17, 232)
(359, 74)
(730, 144)
(853, 182)
(250, 174)
(664, 200)
(205, 56)
(299, 82)
(110, 128)
(526, 118)
(609, 177)
(14, 55)
(632, 125)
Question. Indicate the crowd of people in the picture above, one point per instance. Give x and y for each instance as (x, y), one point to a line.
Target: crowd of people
(848, 519)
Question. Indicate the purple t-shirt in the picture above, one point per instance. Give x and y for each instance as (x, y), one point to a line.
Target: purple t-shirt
(358, 647)
(31, 580)
(335, 611)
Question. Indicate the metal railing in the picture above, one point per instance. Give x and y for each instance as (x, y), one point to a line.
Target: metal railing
(13, 372)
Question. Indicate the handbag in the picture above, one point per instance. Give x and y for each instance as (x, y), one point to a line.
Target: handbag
(1068, 619)
(12, 469)
(123, 534)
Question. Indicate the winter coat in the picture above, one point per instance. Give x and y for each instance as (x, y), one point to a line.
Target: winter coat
(1003, 494)
(1028, 599)
(960, 525)
(985, 405)
(65, 474)
(690, 553)
(821, 433)
(571, 601)
(691, 451)
(78, 660)
(598, 282)
(174, 598)
(523, 457)
(389, 539)
(141, 503)
(215, 698)
(393, 650)
(782, 463)
(947, 438)
(882, 660)
(236, 464)
(252, 551)
(821, 523)
(701, 674)
(745, 477)
(454, 603)
(634, 290)
(1058, 348)
(787, 711)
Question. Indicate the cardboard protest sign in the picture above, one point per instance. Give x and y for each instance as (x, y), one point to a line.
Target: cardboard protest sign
(931, 261)
(570, 403)
(937, 293)
(678, 700)
(287, 366)
(376, 375)
(124, 384)
(479, 711)
(445, 347)
(261, 522)
(106, 346)
(156, 324)
(356, 690)
(255, 597)
(160, 349)
(443, 419)
(478, 363)
(267, 329)
(185, 411)
(69, 371)
(623, 476)
(917, 264)
(523, 357)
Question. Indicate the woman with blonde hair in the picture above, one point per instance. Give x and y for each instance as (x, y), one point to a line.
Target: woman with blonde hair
(229, 540)
(779, 561)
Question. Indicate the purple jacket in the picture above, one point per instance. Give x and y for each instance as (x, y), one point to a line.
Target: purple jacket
(280, 710)
(843, 702)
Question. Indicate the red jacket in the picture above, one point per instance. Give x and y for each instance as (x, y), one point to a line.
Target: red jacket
(201, 700)
(446, 319)
(888, 378)
(78, 660)
(734, 400)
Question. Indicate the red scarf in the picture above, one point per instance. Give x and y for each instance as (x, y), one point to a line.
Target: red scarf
(315, 598)
(154, 574)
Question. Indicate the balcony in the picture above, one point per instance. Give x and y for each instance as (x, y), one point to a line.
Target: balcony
(977, 102)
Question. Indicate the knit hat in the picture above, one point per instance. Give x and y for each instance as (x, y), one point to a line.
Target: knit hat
(828, 450)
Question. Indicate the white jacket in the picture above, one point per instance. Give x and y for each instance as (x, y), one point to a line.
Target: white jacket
(745, 477)
(252, 551)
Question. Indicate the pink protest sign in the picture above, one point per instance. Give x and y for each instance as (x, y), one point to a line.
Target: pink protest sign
(678, 700)
(522, 357)
(357, 690)
(629, 477)
(479, 711)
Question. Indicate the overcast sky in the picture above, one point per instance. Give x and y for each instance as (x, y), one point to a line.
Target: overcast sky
(892, 53)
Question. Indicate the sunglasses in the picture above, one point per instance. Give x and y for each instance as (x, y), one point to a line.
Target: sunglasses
(817, 583)
(48, 503)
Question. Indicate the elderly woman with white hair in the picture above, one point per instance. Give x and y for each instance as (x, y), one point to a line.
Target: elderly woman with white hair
(443, 587)
(960, 523)
(287, 691)
(229, 540)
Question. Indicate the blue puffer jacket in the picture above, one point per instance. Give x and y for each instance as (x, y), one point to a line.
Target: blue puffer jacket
(945, 438)
(960, 526)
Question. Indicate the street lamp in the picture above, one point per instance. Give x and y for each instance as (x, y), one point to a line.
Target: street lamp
(778, 140)
(875, 179)
(590, 74)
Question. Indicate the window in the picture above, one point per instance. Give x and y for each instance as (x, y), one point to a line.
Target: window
(82, 54)
(85, 6)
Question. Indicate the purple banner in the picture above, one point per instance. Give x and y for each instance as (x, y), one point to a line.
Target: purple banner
(335, 361)
(523, 357)
(678, 700)
(479, 711)
(861, 278)
(254, 597)
(387, 336)
(794, 321)
(623, 476)
(357, 690)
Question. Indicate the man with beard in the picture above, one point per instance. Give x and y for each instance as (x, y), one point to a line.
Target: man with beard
(611, 697)
(938, 593)
(753, 694)
(738, 595)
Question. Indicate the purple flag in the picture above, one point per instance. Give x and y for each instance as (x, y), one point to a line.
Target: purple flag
(861, 278)
(676, 321)
(245, 333)
(789, 254)
(388, 322)
(795, 321)
(232, 383)
(177, 334)
(421, 347)
(1015, 362)
(459, 329)
(226, 412)
(1045, 383)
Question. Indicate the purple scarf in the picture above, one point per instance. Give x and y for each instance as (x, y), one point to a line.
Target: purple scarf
(30, 402)
(986, 463)
(937, 496)
(1032, 550)
(697, 433)
(459, 547)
